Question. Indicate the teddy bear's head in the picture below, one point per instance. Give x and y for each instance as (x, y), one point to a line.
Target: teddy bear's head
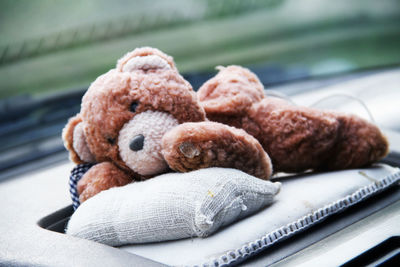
(127, 110)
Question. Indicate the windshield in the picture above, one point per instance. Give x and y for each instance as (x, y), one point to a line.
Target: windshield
(50, 51)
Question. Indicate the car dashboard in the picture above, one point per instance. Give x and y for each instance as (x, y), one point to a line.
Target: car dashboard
(36, 204)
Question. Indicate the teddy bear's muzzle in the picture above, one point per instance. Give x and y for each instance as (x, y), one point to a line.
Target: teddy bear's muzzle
(139, 142)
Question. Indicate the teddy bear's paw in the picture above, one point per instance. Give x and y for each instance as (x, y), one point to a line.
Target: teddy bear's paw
(192, 146)
(101, 177)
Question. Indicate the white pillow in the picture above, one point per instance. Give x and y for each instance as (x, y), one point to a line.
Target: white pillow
(304, 200)
(171, 206)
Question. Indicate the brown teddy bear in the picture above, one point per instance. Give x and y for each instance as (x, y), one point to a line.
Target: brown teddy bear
(142, 119)
(296, 138)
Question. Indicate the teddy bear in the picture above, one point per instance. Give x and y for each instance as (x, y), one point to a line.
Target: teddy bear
(142, 119)
(296, 138)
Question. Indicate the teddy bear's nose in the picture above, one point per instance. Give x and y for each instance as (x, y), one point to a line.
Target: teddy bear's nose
(137, 143)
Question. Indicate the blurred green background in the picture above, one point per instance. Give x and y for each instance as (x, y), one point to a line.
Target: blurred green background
(51, 50)
(52, 46)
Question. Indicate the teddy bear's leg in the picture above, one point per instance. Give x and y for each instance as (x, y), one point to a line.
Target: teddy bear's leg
(301, 138)
(101, 177)
(359, 143)
(295, 138)
(75, 141)
(192, 146)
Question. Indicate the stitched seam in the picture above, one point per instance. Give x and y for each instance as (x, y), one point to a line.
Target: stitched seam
(236, 256)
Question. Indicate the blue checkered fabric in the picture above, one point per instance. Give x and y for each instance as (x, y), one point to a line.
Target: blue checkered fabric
(76, 175)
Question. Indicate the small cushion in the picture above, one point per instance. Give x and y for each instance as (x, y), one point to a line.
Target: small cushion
(304, 201)
(171, 206)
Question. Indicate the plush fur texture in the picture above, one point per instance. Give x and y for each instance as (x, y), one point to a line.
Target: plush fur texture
(122, 104)
(212, 144)
(296, 138)
(144, 52)
(145, 95)
(68, 138)
(152, 125)
(100, 177)
(106, 106)
(80, 145)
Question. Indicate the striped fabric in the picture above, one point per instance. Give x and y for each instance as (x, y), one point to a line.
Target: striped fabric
(76, 175)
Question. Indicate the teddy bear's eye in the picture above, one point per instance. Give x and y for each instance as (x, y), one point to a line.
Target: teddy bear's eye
(111, 140)
(134, 106)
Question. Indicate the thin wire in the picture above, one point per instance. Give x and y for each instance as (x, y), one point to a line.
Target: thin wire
(278, 94)
(347, 95)
(281, 95)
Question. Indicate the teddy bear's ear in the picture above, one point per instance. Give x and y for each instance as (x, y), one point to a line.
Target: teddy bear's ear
(145, 58)
(231, 92)
(75, 141)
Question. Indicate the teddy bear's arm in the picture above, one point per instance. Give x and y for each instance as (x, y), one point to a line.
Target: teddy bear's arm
(100, 177)
(192, 146)
(75, 141)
